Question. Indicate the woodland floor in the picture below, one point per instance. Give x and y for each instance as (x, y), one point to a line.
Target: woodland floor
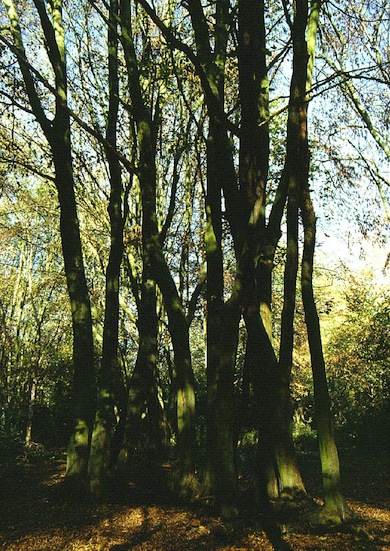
(33, 516)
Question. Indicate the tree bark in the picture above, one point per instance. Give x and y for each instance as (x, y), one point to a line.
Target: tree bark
(145, 424)
(57, 132)
(83, 388)
(335, 505)
(184, 380)
(297, 173)
(109, 373)
(30, 414)
(153, 258)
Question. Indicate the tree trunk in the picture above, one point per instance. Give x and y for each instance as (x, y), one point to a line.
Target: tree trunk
(222, 333)
(260, 245)
(220, 477)
(108, 376)
(153, 257)
(335, 506)
(264, 376)
(297, 170)
(57, 132)
(31, 404)
(290, 480)
(224, 413)
(184, 380)
(83, 388)
(145, 424)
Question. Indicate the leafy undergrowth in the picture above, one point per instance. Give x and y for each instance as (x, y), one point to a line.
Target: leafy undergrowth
(35, 517)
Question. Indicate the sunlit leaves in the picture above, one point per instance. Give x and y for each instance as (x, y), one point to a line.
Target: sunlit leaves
(358, 356)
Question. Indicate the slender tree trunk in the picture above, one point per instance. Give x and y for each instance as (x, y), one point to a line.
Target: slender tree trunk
(296, 175)
(290, 481)
(224, 414)
(108, 376)
(145, 423)
(335, 506)
(31, 404)
(57, 132)
(214, 299)
(184, 380)
(222, 340)
(222, 334)
(297, 170)
(254, 97)
(220, 474)
(83, 388)
(221, 177)
(153, 257)
(259, 250)
(264, 377)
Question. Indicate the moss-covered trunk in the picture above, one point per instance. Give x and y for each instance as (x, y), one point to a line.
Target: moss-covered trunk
(290, 480)
(224, 413)
(296, 173)
(279, 470)
(184, 381)
(154, 259)
(109, 374)
(83, 386)
(146, 426)
(57, 132)
(335, 506)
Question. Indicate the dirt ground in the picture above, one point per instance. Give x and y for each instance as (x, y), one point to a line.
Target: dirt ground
(34, 517)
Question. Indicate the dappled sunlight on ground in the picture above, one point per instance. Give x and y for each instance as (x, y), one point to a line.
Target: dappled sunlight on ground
(34, 517)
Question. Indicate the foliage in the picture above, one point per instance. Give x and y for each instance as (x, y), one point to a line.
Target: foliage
(358, 361)
(35, 341)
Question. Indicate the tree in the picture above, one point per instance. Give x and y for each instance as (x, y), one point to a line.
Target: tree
(35, 340)
(255, 243)
(109, 374)
(57, 133)
(155, 268)
(354, 60)
(357, 355)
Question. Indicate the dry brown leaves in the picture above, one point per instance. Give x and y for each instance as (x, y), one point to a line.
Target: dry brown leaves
(33, 518)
